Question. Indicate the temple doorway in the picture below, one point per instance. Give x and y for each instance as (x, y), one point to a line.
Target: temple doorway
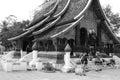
(83, 37)
(27, 44)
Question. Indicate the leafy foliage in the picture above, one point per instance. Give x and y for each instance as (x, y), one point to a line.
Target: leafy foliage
(11, 28)
(113, 17)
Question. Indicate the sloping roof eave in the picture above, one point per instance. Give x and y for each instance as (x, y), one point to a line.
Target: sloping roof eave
(84, 10)
(52, 32)
(107, 23)
(47, 27)
(58, 16)
(77, 18)
(111, 32)
(103, 13)
(29, 31)
(63, 11)
(68, 28)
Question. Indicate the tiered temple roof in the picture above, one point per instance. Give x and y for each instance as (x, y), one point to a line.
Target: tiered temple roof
(59, 16)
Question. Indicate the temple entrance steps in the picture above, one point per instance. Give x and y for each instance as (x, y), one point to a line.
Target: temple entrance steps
(1, 69)
(117, 59)
(45, 56)
(6, 56)
(28, 57)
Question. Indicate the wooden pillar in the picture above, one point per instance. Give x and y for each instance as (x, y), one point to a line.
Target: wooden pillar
(99, 25)
(77, 35)
(45, 45)
(13, 45)
(55, 44)
(18, 45)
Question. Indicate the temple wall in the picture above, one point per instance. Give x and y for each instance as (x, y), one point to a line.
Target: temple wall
(18, 44)
(104, 37)
(69, 35)
(89, 21)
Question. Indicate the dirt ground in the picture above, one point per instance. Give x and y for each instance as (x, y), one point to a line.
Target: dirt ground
(112, 74)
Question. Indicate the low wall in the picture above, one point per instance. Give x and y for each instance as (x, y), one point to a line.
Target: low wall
(58, 57)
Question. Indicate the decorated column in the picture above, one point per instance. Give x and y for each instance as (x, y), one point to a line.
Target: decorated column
(35, 51)
(77, 37)
(34, 58)
(21, 52)
(55, 44)
(67, 66)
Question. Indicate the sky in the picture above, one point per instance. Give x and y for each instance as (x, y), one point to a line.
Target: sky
(115, 4)
(23, 9)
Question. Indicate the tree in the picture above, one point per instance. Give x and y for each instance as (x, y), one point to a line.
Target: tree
(11, 19)
(10, 28)
(4, 26)
(24, 23)
(8, 22)
(113, 17)
(108, 11)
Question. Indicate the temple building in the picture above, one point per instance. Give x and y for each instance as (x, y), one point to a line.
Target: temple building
(80, 23)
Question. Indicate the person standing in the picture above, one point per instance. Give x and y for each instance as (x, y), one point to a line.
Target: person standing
(98, 62)
(84, 62)
(80, 69)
